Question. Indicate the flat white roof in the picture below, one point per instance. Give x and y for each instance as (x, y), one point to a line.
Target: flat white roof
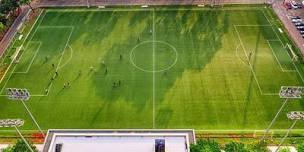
(117, 141)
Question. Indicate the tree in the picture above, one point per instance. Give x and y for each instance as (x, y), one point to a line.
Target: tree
(284, 150)
(26, 2)
(300, 147)
(20, 146)
(235, 147)
(1, 26)
(258, 147)
(7, 6)
(205, 146)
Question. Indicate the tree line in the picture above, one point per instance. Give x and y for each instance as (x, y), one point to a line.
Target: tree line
(8, 11)
(213, 146)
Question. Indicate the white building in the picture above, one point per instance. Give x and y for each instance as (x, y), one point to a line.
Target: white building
(118, 140)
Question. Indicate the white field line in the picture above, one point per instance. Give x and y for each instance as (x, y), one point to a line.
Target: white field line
(69, 59)
(32, 117)
(250, 65)
(23, 22)
(47, 26)
(41, 95)
(268, 42)
(7, 80)
(238, 56)
(283, 46)
(30, 65)
(252, 25)
(153, 58)
(246, 130)
(58, 65)
(23, 43)
(265, 16)
(105, 10)
(198, 130)
(150, 9)
(8, 51)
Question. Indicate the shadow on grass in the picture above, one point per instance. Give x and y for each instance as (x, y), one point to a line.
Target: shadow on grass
(197, 36)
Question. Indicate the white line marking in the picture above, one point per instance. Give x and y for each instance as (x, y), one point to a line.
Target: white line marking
(252, 25)
(238, 56)
(250, 65)
(23, 43)
(283, 45)
(153, 62)
(30, 65)
(8, 79)
(280, 65)
(23, 22)
(58, 65)
(69, 59)
(33, 118)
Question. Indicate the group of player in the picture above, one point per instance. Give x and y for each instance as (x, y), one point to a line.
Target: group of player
(91, 68)
(17, 94)
(116, 84)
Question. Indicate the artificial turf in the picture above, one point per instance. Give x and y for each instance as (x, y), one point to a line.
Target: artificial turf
(173, 67)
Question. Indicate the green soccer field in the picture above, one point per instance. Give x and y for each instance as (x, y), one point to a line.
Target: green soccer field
(166, 67)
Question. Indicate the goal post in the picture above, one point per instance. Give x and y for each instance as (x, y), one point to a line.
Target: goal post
(291, 52)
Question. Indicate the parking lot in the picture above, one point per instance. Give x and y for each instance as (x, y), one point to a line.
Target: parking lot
(292, 19)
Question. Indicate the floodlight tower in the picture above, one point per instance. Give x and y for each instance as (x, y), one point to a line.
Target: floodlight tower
(88, 3)
(15, 123)
(295, 116)
(17, 94)
(286, 92)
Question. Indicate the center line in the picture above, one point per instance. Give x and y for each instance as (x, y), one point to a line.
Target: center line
(153, 62)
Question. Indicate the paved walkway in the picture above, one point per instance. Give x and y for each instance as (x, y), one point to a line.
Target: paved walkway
(5, 42)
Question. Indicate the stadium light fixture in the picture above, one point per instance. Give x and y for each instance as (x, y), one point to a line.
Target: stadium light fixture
(286, 92)
(15, 123)
(88, 4)
(295, 116)
(18, 94)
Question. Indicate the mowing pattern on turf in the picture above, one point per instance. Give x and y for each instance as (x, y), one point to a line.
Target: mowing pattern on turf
(153, 68)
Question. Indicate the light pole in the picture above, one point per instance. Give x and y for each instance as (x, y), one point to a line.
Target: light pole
(15, 123)
(286, 92)
(88, 4)
(17, 94)
(295, 116)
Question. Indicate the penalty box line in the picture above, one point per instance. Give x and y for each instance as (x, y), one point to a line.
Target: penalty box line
(24, 42)
(250, 65)
(279, 63)
(282, 44)
(36, 52)
(21, 46)
(58, 65)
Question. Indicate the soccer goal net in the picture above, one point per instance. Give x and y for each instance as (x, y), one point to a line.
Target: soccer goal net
(291, 52)
(213, 2)
(217, 3)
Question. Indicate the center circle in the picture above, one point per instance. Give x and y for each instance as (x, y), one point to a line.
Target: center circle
(153, 56)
